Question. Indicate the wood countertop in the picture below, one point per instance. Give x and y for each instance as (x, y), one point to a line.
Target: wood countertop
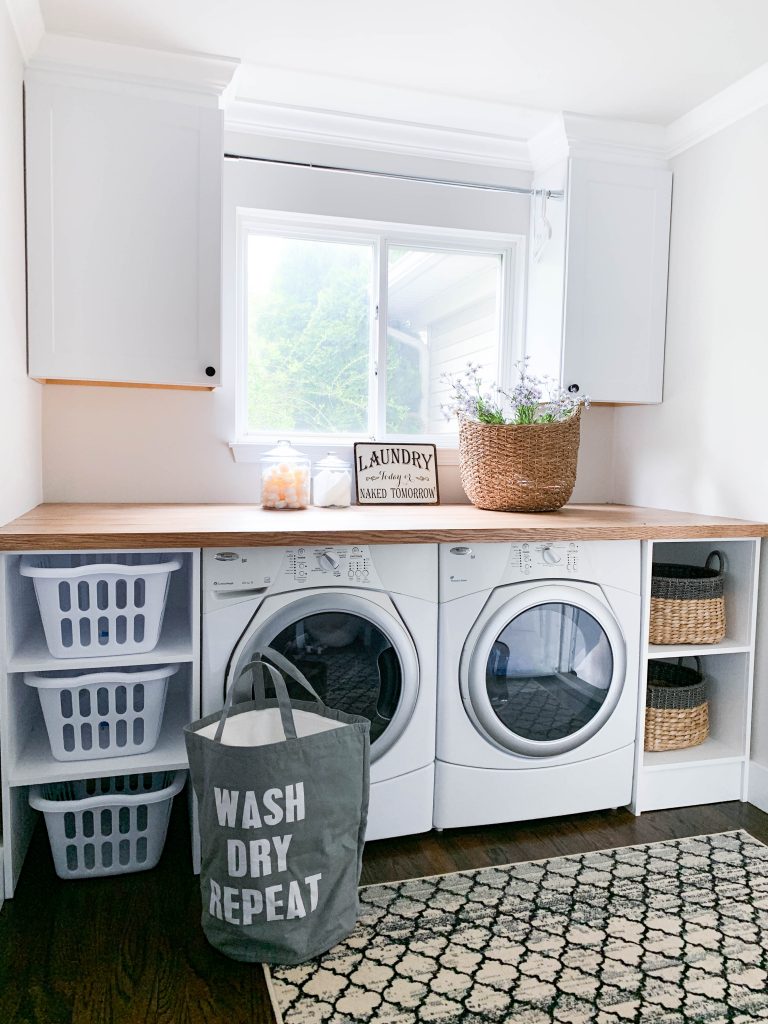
(60, 527)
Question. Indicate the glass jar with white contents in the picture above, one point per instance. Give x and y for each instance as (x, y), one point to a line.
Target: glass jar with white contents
(332, 483)
(284, 478)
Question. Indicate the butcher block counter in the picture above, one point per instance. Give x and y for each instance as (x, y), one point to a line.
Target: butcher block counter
(81, 526)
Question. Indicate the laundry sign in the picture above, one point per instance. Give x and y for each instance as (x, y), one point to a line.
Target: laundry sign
(396, 474)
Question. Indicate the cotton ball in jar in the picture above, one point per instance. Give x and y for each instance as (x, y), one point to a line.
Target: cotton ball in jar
(284, 478)
(332, 483)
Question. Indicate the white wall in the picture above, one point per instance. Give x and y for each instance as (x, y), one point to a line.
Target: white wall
(20, 472)
(113, 444)
(705, 449)
(122, 444)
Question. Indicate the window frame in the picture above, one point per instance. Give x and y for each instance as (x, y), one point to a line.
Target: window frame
(380, 235)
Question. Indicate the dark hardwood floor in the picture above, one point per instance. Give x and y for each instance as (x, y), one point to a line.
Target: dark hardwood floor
(130, 950)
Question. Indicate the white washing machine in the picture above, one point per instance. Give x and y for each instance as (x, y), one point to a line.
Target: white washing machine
(538, 679)
(361, 624)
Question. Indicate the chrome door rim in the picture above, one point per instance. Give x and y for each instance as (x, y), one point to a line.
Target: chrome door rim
(478, 648)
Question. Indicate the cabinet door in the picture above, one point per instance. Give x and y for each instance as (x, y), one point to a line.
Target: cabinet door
(124, 236)
(616, 280)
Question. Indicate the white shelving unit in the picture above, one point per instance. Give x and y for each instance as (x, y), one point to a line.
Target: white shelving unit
(25, 751)
(717, 769)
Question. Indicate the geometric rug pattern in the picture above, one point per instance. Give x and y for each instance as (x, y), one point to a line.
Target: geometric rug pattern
(668, 933)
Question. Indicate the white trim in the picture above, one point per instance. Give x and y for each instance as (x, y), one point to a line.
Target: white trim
(27, 21)
(199, 78)
(521, 139)
(725, 108)
(270, 102)
(598, 138)
(356, 131)
(323, 226)
(252, 451)
(758, 785)
(332, 109)
(625, 142)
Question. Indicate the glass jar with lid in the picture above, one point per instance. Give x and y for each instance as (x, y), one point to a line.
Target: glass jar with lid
(332, 482)
(284, 477)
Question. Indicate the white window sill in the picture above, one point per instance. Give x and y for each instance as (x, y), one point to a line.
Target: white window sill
(252, 451)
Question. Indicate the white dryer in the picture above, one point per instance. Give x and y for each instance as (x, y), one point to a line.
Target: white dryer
(538, 679)
(361, 624)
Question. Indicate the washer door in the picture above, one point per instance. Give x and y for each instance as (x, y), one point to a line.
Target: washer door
(545, 670)
(358, 657)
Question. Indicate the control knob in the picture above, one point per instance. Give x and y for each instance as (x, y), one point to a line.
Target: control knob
(328, 562)
(549, 556)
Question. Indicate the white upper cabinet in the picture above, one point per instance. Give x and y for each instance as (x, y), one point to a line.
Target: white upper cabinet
(597, 289)
(123, 232)
(616, 281)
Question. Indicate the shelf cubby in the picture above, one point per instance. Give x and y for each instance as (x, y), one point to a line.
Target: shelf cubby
(25, 749)
(34, 763)
(717, 769)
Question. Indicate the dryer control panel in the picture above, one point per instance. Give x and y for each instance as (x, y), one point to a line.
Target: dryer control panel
(545, 558)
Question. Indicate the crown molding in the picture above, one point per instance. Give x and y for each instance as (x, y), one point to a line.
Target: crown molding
(332, 110)
(595, 138)
(550, 146)
(631, 142)
(271, 102)
(27, 21)
(354, 131)
(732, 104)
(336, 94)
(199, 78)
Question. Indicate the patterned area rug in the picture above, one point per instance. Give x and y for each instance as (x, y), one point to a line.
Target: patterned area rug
(669, 933)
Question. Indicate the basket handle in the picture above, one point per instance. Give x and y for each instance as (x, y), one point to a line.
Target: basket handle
(720, 559)
(696, 658)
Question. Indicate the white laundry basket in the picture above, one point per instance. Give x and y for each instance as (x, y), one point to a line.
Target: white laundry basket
(100, 604)
(107, 826)
(102, 714)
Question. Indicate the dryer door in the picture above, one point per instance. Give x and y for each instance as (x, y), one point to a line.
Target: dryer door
(359, 657)
(545, 668)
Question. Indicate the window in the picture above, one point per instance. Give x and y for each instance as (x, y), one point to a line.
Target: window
(345, 332)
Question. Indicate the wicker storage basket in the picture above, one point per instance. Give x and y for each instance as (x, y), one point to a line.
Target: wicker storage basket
(688, 603)
(519, 468)
(676, 707)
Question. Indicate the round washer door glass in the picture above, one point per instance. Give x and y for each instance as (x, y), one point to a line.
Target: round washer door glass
(549, 672)
(548, 676)
(350, 662)
(359, 660)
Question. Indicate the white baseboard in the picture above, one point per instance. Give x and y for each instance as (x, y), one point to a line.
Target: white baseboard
(757, 792)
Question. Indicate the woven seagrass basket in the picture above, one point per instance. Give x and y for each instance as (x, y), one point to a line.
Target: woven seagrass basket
(688, 603)
(519, 468)
(676, 706)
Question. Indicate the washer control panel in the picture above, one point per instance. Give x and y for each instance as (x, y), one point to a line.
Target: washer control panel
(264, 569)
(349, 565)
(545, 557)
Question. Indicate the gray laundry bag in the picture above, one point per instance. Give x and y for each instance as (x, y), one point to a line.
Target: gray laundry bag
(282, 787)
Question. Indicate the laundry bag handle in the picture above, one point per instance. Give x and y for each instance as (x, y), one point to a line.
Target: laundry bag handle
(289, 669)
(281, 692)
(256, 668)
